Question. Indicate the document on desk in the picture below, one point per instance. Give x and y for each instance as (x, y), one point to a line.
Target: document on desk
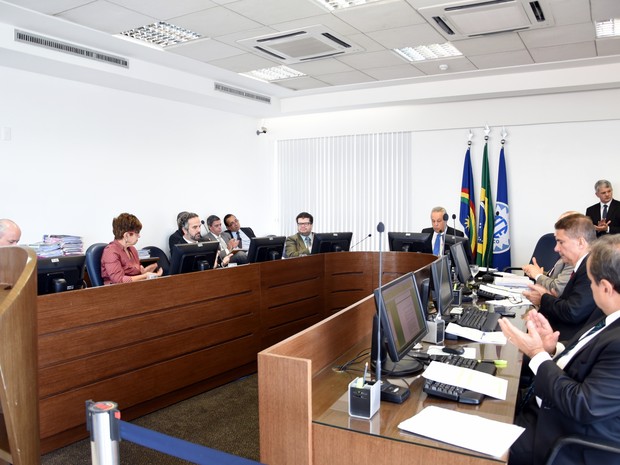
(496, 337)
(467, 378)
(468, 431)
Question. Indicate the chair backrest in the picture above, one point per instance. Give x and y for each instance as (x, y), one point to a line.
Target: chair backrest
(163, 261)
(544, 253)
(93, 263)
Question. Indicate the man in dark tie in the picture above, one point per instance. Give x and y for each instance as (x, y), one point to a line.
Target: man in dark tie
(576, 388)
(439, 220)
(243, 235)
(229, 247)
(300, 244)
(605, 214)
(569, 311)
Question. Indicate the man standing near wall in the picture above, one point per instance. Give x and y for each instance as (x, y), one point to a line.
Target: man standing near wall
(605, 214)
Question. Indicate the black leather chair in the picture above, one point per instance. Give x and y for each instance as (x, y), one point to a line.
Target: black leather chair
(608, 447)
(544, 253)
(93, 263)
(163, 261)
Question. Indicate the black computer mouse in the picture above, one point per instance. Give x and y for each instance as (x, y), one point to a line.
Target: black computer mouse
(453, 350)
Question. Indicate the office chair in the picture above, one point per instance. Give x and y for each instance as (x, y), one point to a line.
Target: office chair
(544, 253)
(163, 261)
(93, 263)
(582, 442)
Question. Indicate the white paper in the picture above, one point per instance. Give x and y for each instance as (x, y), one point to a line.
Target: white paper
(469, 352)
(468, 431)
(495, 337)
(509, 302)
(489, 385)
(513, 281)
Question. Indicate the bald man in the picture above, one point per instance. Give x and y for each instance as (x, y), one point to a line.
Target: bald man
(9, 232)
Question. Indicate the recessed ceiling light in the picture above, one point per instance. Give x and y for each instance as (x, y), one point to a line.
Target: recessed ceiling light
(277, 73)
(428, 52)
(609, 28)
(340, 4)
(162, 34)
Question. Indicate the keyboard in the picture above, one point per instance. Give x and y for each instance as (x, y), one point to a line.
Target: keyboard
(454, 393)
(477, 319)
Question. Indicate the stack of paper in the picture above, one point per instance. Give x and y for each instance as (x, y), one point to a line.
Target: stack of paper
(70, 245)
(46, 250)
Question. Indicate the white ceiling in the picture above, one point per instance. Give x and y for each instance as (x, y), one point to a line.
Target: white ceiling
(376, 28)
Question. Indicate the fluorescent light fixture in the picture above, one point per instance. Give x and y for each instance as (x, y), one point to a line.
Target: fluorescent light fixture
(162, 34)
(340, 4)
(609, 28)
(277, 73)
(428, 52)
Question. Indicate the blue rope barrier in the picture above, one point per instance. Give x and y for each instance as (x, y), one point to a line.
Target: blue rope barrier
(184, 450)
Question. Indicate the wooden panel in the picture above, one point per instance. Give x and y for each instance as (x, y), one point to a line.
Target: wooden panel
(19, 425)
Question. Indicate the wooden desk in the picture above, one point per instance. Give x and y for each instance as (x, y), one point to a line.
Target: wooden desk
(303, 407)
(152, 343)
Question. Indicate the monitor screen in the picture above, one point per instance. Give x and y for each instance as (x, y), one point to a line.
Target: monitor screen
(410, 242)
(60, 274)
(187, 258)
(263, 249)
(331, 242)
(442, 284)
(459, 258)
(451, 240)
(403, 325)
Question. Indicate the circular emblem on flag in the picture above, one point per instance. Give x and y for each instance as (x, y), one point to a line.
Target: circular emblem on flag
(501, 238)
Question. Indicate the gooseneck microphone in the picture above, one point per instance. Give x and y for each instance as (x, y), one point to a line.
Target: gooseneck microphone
(454, 227)
(359, 242)
(380, 229)
(202, 222)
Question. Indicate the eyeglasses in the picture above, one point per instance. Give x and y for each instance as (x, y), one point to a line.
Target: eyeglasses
(137, 233)
(307, 223)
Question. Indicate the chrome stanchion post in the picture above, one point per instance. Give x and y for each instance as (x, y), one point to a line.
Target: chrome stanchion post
(102, 420)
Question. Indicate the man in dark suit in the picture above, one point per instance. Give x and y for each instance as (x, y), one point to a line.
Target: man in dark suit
(605, 214)
(177, 236)
(439, 220)
(568, 312)
(577, 392)
(243, 235)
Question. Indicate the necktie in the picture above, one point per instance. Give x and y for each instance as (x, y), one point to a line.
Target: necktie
(240, 241)
(566, 351)
(307, 240)
(437, 246)
(604, 215)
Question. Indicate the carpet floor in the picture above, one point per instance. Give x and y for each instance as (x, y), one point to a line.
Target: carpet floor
(225, 418)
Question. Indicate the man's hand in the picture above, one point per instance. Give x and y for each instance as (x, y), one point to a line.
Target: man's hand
(536, 292)
(548, 336)
(529, 343)
(602, 226)
(532, 270)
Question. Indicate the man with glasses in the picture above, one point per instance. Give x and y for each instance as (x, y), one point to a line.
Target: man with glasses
(300, 244)
(229, 247)
(243, 235)
(9, 232)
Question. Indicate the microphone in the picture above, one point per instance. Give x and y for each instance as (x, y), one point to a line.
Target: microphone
(359, 242)
(454, 227)
(202, 222)
(380, 229)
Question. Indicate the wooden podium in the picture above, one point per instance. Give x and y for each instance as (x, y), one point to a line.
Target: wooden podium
(19, 425)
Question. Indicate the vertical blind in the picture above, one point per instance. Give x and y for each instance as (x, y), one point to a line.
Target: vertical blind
(348, 183)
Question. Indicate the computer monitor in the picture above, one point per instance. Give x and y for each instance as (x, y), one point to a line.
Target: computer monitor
(187, 258)
(263, 249)
(403, 325)
(410, 242)
(450, 240)
(422, 278)
(59, 274)
(459, 258)
(331, 242)
(442, 284)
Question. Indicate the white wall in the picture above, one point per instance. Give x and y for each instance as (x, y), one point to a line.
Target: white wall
(557, 147)
(81, 154)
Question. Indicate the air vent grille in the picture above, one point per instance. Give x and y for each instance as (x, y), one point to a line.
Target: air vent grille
(242, 93)
(76, 50)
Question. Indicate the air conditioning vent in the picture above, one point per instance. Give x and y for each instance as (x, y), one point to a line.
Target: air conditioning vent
(72, 49)
(241, 93)
(463, 19)
(301, 45)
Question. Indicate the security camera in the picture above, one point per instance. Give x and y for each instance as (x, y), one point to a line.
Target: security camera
(262, 130)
